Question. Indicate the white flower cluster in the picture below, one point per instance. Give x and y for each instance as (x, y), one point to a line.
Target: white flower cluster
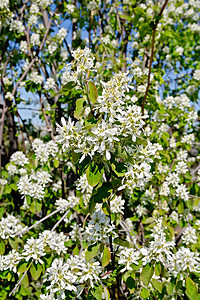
(35, 39)
(33, 185)
(61, 35)
(44, 150)
(10, 226)
(196, 74)
(50, 84)
(44, 3)
(17, 25)
(66, 276)
(4, 4)
(35, 77)
(127, 257)
(19, 158)
(64, 204)
(83, 60)
(34, 249)
(181, 102)
(122, 120)
(99, 228)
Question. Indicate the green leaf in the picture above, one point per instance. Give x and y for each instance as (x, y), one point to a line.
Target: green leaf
(22, 267)
(14, 186)
(80, 107)
(157, 269)
(2, 247)
(76, 251)
(106, 293)
(25, 281)
(13, 243)
(170, 288)
(106, 256)
(130, 282)
(36, 270)
(157, 285)
(92, 251)
(68, 86)
(92, 204)
(180, 208)
(141, 141)
(122, 243)
(56, 163)
(144, 293)
(119, 169)
(92, 92)
(93, 174)
(191, 289)
(97, 292)
(146, 274)
(103, 193)
(38, 205)
(148, 220)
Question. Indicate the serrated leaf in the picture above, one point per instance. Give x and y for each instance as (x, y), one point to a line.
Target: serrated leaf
(93, 174)
(144, 293)
(92, 251)
(36, 270)
(157, 285)
(80, 107)
(146, 274)
(2, 247)
(106, 256)
(92, 92)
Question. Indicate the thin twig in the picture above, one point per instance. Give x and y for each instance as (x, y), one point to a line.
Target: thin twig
(38, 222)
(19, 282)
(54, 227)
(33, 60)
(152, 53)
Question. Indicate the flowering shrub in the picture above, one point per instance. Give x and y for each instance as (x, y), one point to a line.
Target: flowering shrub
(105, 204)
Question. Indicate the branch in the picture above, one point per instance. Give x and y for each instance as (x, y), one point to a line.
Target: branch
(152, 53)
(38, 222)
(54, 227)
(33, 60)
(19, 282)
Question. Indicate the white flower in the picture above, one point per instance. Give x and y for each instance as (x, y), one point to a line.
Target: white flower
(35, 39)
(50, 84)
(196, 74)
(189, 236)
(117, 205)
(61, 34)
(19, 158)
(24, 46)
(128, 256)
(9, 96)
